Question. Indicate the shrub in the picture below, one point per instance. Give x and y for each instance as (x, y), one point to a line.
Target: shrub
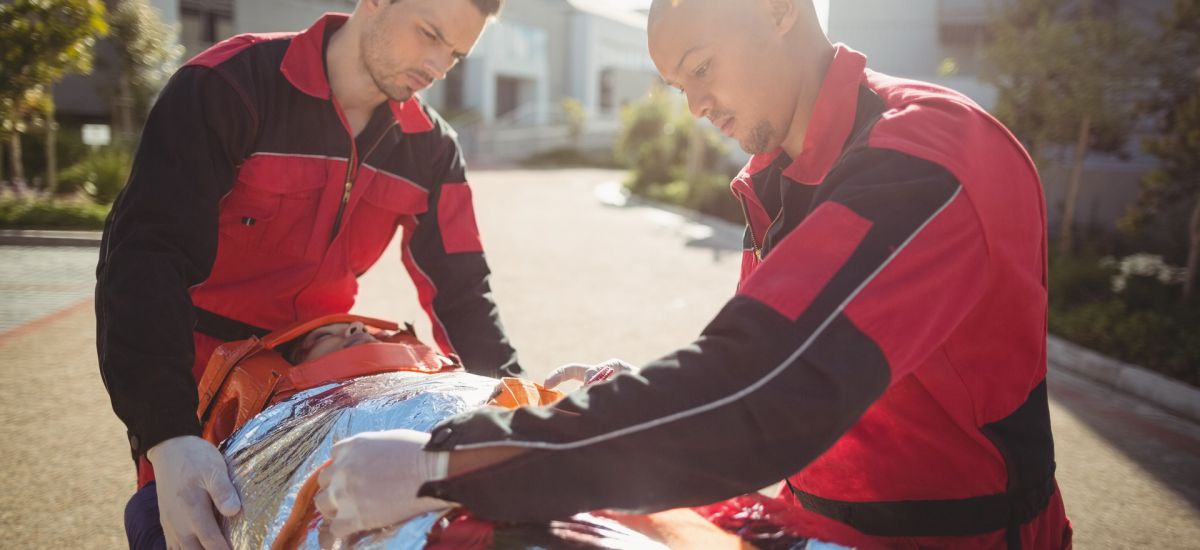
(575, 116)
(45, 213)
(101, 174)
(647, 141)
(708, 193)
(1079, 280)
(656, 142)
(569, 156)
(1128, 309)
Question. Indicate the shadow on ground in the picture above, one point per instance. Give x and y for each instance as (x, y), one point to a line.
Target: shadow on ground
(1164, 446)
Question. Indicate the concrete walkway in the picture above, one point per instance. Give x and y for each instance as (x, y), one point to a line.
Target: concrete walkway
(576, 281)
(37, 280)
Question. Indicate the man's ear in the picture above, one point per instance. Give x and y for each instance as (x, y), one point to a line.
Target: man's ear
(375, 5)
(784, 14)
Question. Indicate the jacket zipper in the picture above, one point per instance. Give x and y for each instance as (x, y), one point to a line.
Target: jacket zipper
(758, 245)
(750, 228)
(351, 175)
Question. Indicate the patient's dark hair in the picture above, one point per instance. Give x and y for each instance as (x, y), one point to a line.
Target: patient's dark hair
(288, 350)
(487, 7)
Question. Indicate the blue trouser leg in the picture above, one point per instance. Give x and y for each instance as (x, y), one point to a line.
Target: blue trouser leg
(142, 526)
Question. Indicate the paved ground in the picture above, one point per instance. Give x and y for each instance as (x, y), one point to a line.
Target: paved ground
(35, 280)
(575, 281)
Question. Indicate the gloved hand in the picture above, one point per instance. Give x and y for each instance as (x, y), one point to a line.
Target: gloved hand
(191, 478)
(588, 374)
(373, 481)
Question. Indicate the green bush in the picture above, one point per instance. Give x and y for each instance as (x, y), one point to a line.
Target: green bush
(655, 143)
(647, 142)
(708, 194)
(575, 116)
(68, 144)
(1079, 280)
(101, 174)
(50, 213)
(1135, 317)
(569, 156)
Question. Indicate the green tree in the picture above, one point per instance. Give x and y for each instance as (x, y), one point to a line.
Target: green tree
(1068, 74)
(32, 110)
(148, 53)
(44, 40)
(1176, 105)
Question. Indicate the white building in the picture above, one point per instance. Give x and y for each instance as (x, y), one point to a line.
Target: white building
(505, 99)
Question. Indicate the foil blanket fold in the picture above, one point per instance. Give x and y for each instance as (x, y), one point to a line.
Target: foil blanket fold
(271, 456)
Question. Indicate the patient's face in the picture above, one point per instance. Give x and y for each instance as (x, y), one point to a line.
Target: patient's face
(330, 338)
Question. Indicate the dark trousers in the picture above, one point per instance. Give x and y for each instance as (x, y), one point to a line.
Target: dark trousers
(142, 526)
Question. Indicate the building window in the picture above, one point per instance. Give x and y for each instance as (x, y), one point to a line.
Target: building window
(607, 91)
(508, 95)
(204, 23)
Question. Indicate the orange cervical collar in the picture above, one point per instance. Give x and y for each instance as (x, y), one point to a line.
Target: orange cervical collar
(244, 377)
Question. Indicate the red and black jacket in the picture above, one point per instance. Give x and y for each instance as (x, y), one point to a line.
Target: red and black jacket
(250, 207)
(886, 355)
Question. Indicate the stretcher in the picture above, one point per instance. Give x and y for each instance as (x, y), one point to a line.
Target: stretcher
(276, 423)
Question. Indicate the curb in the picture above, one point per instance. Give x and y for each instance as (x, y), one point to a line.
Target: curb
(34, 237)
(1156, 389)
(1176, 397)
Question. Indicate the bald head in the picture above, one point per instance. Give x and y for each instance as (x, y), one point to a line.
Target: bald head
(743, 64)
(777, 9)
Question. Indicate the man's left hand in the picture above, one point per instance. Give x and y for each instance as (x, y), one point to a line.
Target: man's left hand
(373, 481)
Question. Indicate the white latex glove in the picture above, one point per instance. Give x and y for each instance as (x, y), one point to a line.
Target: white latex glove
(588, 374)
(374, 478)
(191, 477)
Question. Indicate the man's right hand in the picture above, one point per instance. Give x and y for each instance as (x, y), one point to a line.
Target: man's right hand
(192, 478)
(587, 374)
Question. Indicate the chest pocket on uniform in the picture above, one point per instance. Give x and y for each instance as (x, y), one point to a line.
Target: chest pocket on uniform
(387, 201)
(273, 205)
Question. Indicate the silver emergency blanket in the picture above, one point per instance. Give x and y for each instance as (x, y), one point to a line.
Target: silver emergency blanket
(272, 455)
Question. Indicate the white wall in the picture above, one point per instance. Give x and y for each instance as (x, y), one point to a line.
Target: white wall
(598, 43)
(283, 15)
(899, 38)
(509, 48)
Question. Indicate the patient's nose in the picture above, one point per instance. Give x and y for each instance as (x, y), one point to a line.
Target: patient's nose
(355, 328)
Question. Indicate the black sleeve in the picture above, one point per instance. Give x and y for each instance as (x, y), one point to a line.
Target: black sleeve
(159, 240)
(444, 256)
(773, 381)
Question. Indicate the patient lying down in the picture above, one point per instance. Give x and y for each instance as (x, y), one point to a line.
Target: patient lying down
(329, 338)
(274, 452)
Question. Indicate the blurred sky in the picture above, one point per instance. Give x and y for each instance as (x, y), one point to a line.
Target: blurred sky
(822, 7)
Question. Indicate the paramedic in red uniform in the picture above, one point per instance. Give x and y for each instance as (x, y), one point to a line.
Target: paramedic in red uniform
(884, 352)
(273, 171)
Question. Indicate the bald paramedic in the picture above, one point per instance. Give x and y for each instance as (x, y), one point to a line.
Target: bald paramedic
(884, 352)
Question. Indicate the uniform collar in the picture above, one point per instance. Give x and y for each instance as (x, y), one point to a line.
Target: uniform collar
(831, 123)
(304, 67)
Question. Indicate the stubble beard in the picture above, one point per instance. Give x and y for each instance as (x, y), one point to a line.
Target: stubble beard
(371, 62)
(759, 139)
